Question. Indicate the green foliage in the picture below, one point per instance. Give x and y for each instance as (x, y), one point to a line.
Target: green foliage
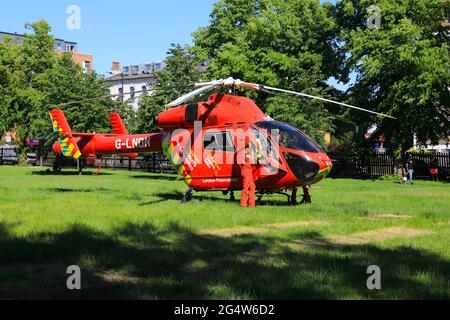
(12, 76)
(289, 44)
(34, 79)
(421, 151)
(23, 160)
(286, 109)
(68, 83)
(172, 82)
(403, 68)
(390, 178)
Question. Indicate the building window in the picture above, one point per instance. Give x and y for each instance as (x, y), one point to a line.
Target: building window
(144, 90)
(87, 67)
(70, 47)
(132, 92)
(157, 66)
(135, 70)
(126, 70)
(147, 68)
(120, 90)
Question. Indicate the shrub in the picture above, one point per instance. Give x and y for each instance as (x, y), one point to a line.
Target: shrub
(23, 160)
(390, 178)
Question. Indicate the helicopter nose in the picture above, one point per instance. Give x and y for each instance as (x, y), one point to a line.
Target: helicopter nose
(303, 167)
(325, 164)
(325, 161)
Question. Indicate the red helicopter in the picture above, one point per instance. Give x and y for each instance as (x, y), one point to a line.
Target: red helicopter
(205, 140)
(92, 145)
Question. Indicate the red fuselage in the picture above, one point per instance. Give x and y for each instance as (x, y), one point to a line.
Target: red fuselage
(292, 160)
(94, 145)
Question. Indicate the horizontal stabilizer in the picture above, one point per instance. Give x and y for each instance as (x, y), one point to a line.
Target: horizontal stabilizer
(131, 155)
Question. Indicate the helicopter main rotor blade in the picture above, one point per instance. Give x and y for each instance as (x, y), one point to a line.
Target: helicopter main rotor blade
(211, 85)
(335, 116)
(149, 91)
(230, 82)
(192, 94)
(327, 100)
(97, 98)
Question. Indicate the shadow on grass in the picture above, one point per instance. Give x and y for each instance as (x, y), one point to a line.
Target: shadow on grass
(155, 176)
(177, 196)
(49, 172)
(89, 190)
(145, 261)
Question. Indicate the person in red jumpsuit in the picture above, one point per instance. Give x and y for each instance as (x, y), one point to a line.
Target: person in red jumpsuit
(248, 188)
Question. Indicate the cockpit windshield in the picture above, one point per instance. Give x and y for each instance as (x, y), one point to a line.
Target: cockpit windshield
(289, 137)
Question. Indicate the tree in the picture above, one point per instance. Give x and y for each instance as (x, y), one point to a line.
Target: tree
(68, 83)
(289, 44)
(172, 82)
(303, 116)
(12, 78)
(26, 108)
(402, 69)
(34, 79)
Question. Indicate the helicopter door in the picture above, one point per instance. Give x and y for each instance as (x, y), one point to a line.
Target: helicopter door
(267, 154)
(218, 157)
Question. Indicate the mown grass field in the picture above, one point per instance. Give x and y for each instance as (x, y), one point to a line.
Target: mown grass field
(133, 239)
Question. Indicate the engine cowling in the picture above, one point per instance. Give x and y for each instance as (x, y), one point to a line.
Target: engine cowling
(180, 117)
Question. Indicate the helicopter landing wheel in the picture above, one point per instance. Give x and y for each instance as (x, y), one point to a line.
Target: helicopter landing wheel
(292, 200)
(57, 169)
(187, 196)
(306, 196)
(259, 199)
(231, 192)
(58, 164)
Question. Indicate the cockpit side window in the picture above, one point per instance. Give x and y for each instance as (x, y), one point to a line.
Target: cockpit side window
(265, 145)
(289, 137)
(266, 151)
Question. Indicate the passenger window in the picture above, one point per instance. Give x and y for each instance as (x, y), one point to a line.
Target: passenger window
(218, 141)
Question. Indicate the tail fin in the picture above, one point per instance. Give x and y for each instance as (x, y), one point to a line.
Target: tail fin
(68, 144)
(119, 128)
(117, 124)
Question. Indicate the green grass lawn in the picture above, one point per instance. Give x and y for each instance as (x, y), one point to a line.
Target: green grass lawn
(133, 239)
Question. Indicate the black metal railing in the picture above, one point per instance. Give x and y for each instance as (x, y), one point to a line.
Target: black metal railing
(378, 165)
(344, 166)
(8, 155)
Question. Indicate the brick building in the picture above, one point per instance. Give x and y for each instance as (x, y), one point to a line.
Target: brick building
(86, 61)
